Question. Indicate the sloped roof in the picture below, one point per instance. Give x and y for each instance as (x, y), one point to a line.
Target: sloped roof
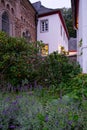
(40, 8)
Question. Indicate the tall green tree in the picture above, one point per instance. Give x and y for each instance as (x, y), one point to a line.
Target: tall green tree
(67, 13)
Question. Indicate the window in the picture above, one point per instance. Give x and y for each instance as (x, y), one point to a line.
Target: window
(2, 2)
(44, 25)
(8, 7)
(45, 50)
(27, 35)
(5, 22)
(12, 10)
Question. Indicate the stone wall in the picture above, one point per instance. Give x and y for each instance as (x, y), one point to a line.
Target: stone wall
(22, 18)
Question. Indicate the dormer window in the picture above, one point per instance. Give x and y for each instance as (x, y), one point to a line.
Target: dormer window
(44, 25)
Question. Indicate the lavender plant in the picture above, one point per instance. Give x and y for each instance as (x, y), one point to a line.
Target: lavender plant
(20, 113)
(26, 111)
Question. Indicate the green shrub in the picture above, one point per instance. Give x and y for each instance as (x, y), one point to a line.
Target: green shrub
(78, 87)
(13, 59)
(57, 68)
(19, 60)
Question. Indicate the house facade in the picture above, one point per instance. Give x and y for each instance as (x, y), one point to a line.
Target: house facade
(18, 18)
(51, 29)
(79, 10)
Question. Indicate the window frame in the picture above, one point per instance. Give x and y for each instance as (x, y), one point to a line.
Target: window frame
(26, 34)
(45, 27)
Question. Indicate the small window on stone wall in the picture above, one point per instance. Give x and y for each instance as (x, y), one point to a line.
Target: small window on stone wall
(8, 7)
(12, 10)
(5, 22)
(21, 18)
(24, 34)
(27, 35)
(2, 2)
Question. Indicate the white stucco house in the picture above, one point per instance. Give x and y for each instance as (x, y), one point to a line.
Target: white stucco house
(51, 29)
(79, 10)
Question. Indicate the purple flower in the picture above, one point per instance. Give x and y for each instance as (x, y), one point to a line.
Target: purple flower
(59, 109)
(5, 111)
(31, 87)
(46, 118)
(7, 99)
(40, 87)
(15, 102)
(26, 88)
(35, 84)
(12, 126)
(38, 109)
(18, 97)
(70, 122)
(56, 123)
(33, 102)
(1, 126)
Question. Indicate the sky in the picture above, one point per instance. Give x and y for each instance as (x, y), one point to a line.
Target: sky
(54, 3)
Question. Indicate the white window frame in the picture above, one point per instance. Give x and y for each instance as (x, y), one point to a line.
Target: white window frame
(44, 25)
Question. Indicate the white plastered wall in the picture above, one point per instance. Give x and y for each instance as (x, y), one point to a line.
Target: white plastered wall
(53, 36)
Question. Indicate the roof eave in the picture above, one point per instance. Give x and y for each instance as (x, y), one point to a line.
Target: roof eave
(75, 8)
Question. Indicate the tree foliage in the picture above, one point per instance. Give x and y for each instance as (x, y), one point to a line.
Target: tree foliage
(67, 13)
(21, 61)
(18, 59)
(57, 68)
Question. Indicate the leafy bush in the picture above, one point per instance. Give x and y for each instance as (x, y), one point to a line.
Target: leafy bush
(19, 60)
(83, 114)
(57, 68)
(78, 87)
(14, 56)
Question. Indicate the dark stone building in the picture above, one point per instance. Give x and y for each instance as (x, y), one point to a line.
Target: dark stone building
(18, 18)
